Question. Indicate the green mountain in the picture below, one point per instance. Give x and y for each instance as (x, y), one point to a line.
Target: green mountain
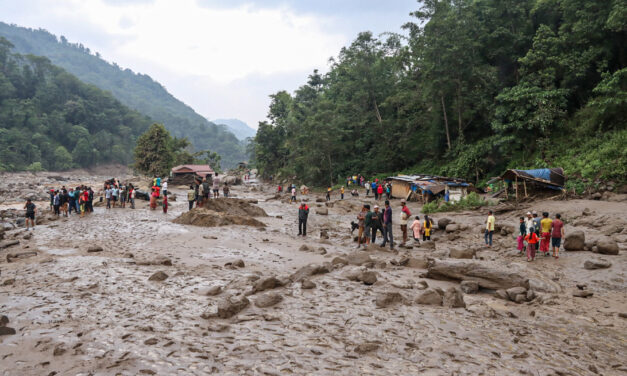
(49, 119)
(138, 91)
(475, 87)
(240, 129)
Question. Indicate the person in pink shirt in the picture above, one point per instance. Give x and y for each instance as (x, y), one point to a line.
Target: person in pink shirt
(416, 229)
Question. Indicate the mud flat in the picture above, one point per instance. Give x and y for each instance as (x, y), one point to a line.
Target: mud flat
(127, 292)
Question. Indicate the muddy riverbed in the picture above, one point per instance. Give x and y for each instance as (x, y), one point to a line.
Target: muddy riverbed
(240, 300)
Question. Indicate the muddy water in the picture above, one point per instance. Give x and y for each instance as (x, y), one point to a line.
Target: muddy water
(80, 313)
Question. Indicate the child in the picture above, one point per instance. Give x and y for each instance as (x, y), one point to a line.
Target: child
(521, 236)
(426, 229)
(532, 240)
(416, 228)
(165, 204)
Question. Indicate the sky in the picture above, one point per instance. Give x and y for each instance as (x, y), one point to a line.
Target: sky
(222, 57)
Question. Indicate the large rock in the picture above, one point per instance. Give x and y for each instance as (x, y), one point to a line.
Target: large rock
(158, 276)
(515, 291)
(308, 271)
(596, 264)
(469, 287)
(443, 222)
(413, 262)
(267, 284)
(231, 306)
(489, 275)
(359, 259)
(453, 298)
(268, 299)
(466, 253)
(388, 298)
(367, 277)
(575, 241)
(607, 247)
(429, 297)
(94, 249)
(452, 227)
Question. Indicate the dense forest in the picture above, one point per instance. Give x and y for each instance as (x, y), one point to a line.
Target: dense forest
(471, 87)
(137, 91)
(51, 120)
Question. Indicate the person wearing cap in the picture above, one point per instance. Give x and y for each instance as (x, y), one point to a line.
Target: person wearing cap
(31, 209)
(405, 215)
(303, 213)
(376, 220)
(387, 225)
(489, 229)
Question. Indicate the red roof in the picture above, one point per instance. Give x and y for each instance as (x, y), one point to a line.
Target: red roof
(202, 170)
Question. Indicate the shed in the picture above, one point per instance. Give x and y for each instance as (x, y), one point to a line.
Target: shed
(533, 180)
(199, 170)
(428, 187)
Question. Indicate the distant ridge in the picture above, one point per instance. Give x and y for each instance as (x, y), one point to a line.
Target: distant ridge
(240, 129)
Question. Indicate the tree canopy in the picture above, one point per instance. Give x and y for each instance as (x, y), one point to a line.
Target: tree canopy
(473, 88)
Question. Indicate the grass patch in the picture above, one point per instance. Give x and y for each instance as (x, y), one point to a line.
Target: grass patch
(470, 202)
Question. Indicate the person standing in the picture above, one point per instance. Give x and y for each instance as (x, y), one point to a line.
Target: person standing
(31, 209)
(51, 193)
(557, 234)
(114, 194)
(373, 185)
(379, 191)
(57, 203)
(165, 204)
(376, 223)
(532, 240)
(367, 223)
(329, 189)
(342, 193)
(72, 201)
(405, 215)
(108, 193)
(85, 200)
(205, 190)
(216, 186)
(65, 199)
(387, 225)
(545, 234)
(536, 227)
(361, 223)
(293, 199)
(191, 196)
(225, 190)
(522, 231)
(303, 214)
(416, 229)
(426, 229)
(158, 181)
(123, 193)
(164, 187)
(90, 200)
(131, 197)
(154, 194)
(368, 188)
(489, 229)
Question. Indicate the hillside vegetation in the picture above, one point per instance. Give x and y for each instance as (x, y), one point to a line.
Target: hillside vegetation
(49, 119)
(476, 87)
(138, 91)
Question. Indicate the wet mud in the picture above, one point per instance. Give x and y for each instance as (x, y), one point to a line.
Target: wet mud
(85, 304)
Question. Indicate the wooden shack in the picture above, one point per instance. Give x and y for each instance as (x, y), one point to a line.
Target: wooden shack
(187, 174)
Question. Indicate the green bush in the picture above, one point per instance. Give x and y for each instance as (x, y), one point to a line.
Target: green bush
(35, 167)
(470, 202)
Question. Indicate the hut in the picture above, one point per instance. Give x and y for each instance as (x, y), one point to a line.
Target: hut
(186, 174)
(523, 183)
(427, 188)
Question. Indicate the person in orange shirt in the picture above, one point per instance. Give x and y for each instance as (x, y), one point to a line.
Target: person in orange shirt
(532, 239)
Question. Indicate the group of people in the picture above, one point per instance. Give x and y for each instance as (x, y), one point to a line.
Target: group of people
(115, 191)
(369, 222)
(534, 234)
(201, 191)
(63, 201)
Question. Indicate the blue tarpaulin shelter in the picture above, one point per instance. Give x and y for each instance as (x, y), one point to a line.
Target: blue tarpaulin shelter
(547, 177)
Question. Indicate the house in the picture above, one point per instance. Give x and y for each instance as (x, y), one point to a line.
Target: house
(186, 174)
(427, 188)
(523, 183)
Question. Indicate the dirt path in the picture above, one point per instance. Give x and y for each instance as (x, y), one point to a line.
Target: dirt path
(79, 312)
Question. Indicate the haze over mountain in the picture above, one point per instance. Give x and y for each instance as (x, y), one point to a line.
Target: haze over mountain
(240, 129)
(136, 90)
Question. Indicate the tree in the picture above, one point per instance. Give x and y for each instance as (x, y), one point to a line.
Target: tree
(153, 153)
(62, 159)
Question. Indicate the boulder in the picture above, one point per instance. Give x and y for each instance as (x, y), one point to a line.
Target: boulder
(514, 291)
(213, 291)
(607, 246)
(469, 287)
(575, 241)
(453, 298)
(452, 227)
(501, 294)
(388, 298)
(267, 284)
(367, 277)
(359, 259)
(339, 261)
(422, 285)
(466, 253)
(231, 306)
(322, 211)
(308, 271)
(413, 262)
(239, 263)
(596, 264)
(429, 297)
(268, 299)
(443, 222)
(307, 284)
(158, 276)
(94, 249)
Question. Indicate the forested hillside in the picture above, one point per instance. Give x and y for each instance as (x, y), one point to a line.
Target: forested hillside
(477, 86)
(49, 119)
(137, 91)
